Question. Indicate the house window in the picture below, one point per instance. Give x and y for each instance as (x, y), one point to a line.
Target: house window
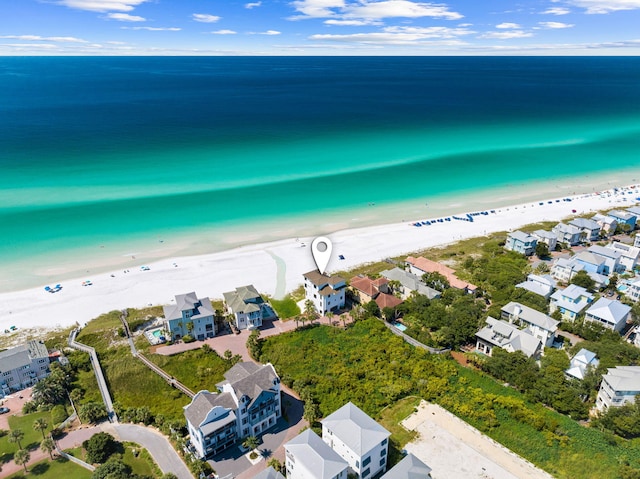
(366, 472)
(382, 461)
(383, 442)
(366, 461)
(383, 453)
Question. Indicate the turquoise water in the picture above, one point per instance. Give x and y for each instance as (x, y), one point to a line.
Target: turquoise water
(107, 158)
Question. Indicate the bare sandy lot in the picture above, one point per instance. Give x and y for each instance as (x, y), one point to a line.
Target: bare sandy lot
(455, 450)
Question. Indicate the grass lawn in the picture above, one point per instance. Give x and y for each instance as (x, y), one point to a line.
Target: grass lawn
(285, 308)
(32, 438)
(390, 418)
(142, 464)
(56, 469)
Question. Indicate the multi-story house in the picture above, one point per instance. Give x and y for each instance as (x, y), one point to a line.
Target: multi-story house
(609, 313)
(628, 254)
(590, 229)
(190, 316)
(309, 457)
(546, 237)
(542, 285)
(572, 235)
(410, 467)
(633, 291)
(247, 404)
(619, 386)
(247, 307)
(570, 301)
(357, 439)
(624, 217)
(521, 242)
(564, 269)
(408, 283)
(23, 366)
(501, 334)
(366, 289)
(539, 324)
(327, 293)
(607, 224)
(611, 259)
(420, 265)
(580, 364)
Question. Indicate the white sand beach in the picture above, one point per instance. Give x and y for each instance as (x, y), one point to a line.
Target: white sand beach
(274, 268)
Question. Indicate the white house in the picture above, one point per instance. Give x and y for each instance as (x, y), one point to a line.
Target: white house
(521, 242)
(564, 269)
(609, 313)
(501, 334)
(23, 366)
(269, 473)
(309, 457)
(619, 386)
(190, 316)
(539, 324)
(581, 363)
(357, 439)
(590, 229)
(247, 307)
(628, 254)
(410, 467)
(327, 293)
(569, 234)
(633, 291)
(607, 224)
(542, 285)
(546, 237)
(570, 301)
(611, 259)
(247, 404)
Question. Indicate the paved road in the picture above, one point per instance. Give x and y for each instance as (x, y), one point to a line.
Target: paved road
(158, 446)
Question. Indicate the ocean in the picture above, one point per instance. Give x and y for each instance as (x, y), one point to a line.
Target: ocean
(110, 161)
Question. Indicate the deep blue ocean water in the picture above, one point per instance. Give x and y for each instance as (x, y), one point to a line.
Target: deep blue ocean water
(115, 152)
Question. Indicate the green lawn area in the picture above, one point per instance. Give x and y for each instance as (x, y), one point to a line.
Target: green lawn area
(391, 417)
(57, 469)
(143, 463)
(285, 308)
(32, 438)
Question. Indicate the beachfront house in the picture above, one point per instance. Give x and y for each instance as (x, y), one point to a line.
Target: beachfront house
(420, 265)
(521, 242)
(190, 316)
(590, 229)
(624, 218)
(309, 457)
(609, 313)
(501, 334)
(246, 306)
(570, 301)
(269, 473)
(607, 224)
(23, 366)
(408, 283)
(357, 439)
(327, 293)
(619, 386)
(634, 210)
(581, 363)
(539, 324)
(542, 285)
(628, 254)
(569, 234)
(247, 404)
(410, 467)
(546, 237)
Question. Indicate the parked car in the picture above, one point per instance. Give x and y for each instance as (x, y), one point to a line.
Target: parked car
(4, 410)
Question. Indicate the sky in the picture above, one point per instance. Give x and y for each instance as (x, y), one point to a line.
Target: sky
(319, 27)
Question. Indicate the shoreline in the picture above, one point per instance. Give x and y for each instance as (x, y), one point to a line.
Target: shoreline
(276, 266)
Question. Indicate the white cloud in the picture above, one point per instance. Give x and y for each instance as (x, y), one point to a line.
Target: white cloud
(555, 25)
(507, 35)
(556, 11)
(465, 24)
(605, 6)
(154, 29)
(223, 32)
(116, 43)
(508, 25)
(102, 5)
(398, 35)
(46, 39)
(269, 32)
(205, 18)
(252, 5)
(372, 10)
(46, 46)
(125, 17)
(352, 23)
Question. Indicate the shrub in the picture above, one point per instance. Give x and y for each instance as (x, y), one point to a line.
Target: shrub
(58, 414)
(100, 447)
(29, 407)
(187, 338)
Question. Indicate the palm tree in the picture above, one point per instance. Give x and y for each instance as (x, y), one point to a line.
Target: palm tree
(48, 445)
(329, 316)
(40, 425)
(250, 442)
(16, 436)
(21, 458)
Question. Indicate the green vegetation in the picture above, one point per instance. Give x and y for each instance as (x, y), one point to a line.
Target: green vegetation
(390, 419)
(29, 438)
(55, 469)
(100, 447)
(286, 307)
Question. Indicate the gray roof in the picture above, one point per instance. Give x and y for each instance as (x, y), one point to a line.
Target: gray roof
(571, 293)
(623, 378)
(603, 251)
(502, 334)
(355, 428)
(623, 215)
(564, 228)
(588, 257)
(320, 279)
(611, 311)
(410, 281)
(585, 223)
(521, 236)
(188, 302)
(316, 455)
(269, 473)
(634, 210)
(531, 316)
(544, 234)
(22, 355)
(409, 468)
(580, 362)
(203, 402)
(604, 219)
(244, 299)
(251, 380)
(218, 423)
(541, 285)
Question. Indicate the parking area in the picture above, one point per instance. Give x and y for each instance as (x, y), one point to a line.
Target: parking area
(14, 402)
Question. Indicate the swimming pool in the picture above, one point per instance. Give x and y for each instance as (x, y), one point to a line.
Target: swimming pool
(157, 333)
(400, 326)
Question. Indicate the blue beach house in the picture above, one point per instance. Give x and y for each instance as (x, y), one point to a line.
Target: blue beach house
(190, 316)
(624, 217)
(521, 242)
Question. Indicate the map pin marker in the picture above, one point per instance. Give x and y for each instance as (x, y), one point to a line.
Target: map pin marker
(321, 249)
